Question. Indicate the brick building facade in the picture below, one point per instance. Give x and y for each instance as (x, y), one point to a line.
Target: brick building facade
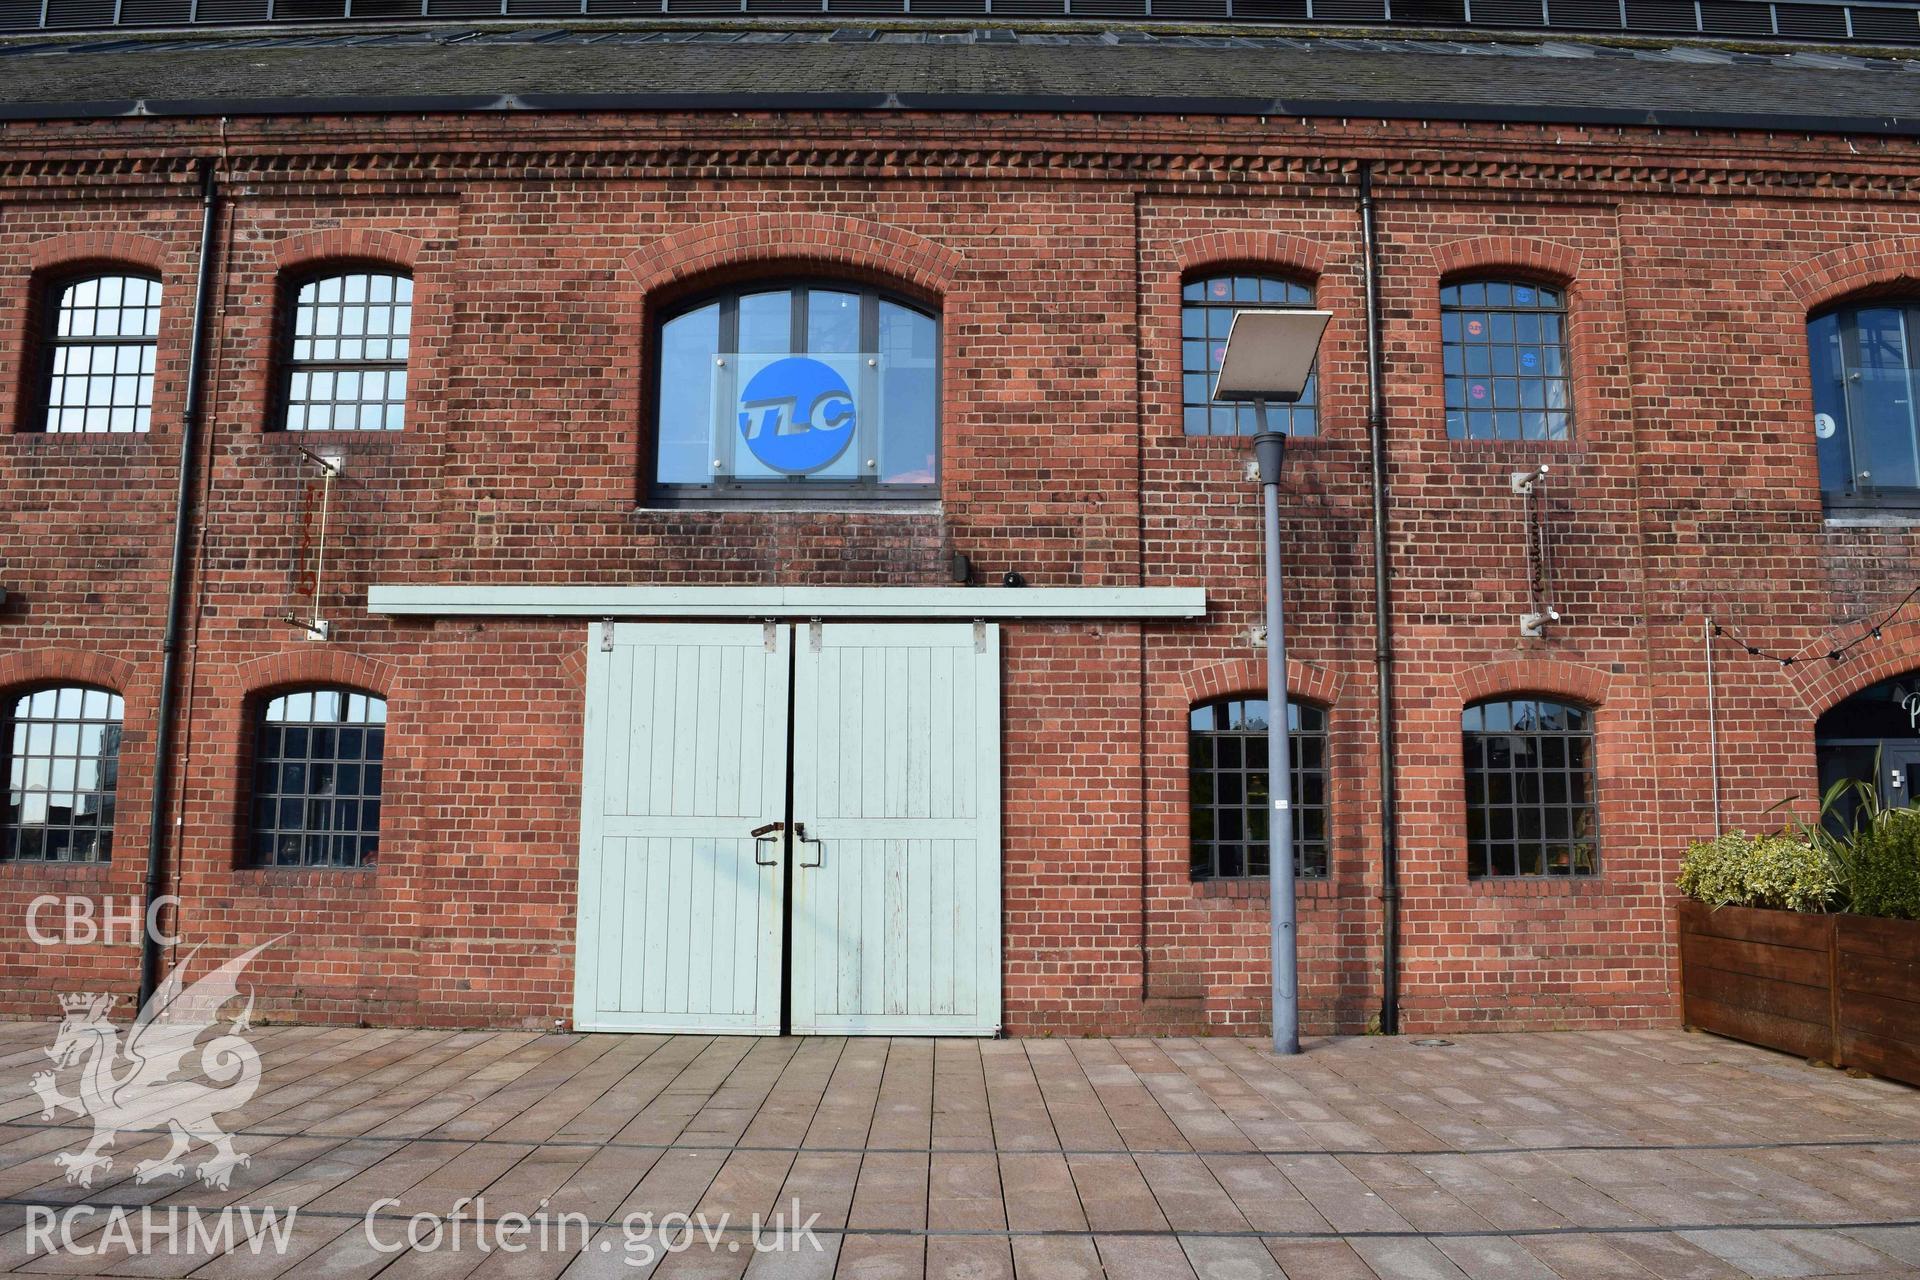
(1053, 244)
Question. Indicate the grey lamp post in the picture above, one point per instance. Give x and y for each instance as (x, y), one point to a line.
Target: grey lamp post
(1269, 356)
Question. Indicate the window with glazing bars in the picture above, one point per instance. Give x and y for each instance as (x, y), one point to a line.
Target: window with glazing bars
(63, 764)
(1207, 307)
(318, 764)
(1504, 347)
(346, 367)
(1227, 788)
(99, 351)
(1530, 788)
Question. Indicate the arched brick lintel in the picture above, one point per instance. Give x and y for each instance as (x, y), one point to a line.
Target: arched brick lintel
(1532, 675)
(316, 665)
(347, 244)
(799, 238)
(98, 246)
(65, 666)
(1890, 266)
(1272, 253)
(1820, 683)
(1479, 255)
(1248, 676)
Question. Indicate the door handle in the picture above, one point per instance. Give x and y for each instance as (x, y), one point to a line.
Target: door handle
(761, 836)
(800, 834)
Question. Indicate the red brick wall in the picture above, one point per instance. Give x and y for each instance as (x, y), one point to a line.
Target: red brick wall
(542, 248)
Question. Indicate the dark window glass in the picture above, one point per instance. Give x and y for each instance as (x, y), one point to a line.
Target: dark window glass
(1206, 314)
(347, 353)
(1863, 362)
(1530, 790)
(1504, 347)
(63, 763)
(317, 773)
(1227, 788)
(100, 355)
(804, 390)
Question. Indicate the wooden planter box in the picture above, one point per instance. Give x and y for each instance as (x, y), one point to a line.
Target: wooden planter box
(1843, 989)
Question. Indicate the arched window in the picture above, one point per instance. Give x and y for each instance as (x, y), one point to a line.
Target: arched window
(63, 764)
(1871, 737)
(318, 761)
(346, 353)
(803, 390)
(1206, 314)
(1530, 789)
(99, 351)
(1227, 787)
(1864, 424)
(1504, 347)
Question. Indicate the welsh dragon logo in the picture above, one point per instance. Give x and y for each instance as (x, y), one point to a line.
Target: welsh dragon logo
(147, 1083)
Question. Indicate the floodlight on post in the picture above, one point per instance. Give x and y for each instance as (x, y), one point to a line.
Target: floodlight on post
(1269, 356)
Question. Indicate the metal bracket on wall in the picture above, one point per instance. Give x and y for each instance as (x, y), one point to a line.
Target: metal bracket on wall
(813, 635)
(770, 635)
(606, 635)
(979, 635)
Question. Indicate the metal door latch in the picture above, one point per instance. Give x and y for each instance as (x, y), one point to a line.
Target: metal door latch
(761, 836)
(800, 834)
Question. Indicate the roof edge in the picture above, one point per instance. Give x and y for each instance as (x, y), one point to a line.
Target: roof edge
(1084, 104)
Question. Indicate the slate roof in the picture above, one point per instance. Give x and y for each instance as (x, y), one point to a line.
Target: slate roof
(462, 69)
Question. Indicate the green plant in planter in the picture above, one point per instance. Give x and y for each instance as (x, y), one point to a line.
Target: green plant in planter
(1777, 871)
(1884, 868)
(1874, 850)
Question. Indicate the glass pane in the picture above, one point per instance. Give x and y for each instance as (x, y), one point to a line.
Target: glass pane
(766, 322)
(1830, 403)
(1881, 412)
(689, 345)
(833, 321)
(909, 396)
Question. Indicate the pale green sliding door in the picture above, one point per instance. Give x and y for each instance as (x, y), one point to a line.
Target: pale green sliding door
(896, 797)
(681, 908)
(888, 842)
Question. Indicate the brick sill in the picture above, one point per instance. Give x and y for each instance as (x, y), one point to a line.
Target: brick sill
(311, 877)
(1256, 890)
(60, 872)
(1539, 886)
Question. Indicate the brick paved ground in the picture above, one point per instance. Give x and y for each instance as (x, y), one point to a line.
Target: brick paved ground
(1586, 1156)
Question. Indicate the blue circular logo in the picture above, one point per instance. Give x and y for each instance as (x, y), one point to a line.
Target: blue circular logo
(796, 415)
(1529, 359)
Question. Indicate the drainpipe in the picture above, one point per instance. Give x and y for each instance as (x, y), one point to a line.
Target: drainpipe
(1382, 626)
(177, 584)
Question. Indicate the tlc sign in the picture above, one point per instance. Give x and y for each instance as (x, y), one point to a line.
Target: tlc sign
(797, 414)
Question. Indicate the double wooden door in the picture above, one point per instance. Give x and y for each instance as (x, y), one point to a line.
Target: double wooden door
(790, 827)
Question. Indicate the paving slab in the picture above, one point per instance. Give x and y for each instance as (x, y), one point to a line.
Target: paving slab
(1638, 1155)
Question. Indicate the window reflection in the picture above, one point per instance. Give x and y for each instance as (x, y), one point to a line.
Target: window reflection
(808, 390)
(63, 767)
(1227, 763)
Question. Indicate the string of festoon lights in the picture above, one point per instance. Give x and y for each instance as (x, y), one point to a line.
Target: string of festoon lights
(1836, 654)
